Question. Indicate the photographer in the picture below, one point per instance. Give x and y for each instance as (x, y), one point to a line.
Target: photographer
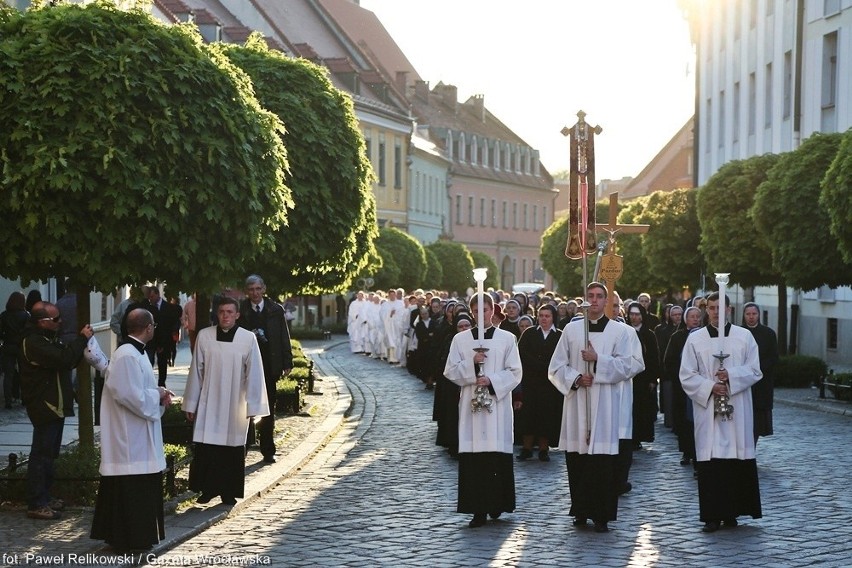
(266, 319)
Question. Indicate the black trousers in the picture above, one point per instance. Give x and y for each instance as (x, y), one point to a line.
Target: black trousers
(266, 425)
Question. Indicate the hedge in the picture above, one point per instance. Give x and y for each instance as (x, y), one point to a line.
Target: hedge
(799, 371)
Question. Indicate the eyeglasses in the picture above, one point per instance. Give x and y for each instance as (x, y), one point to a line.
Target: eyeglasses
(153, 324)
(54, 320)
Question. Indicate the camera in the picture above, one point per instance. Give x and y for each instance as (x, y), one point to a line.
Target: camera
(260, 335)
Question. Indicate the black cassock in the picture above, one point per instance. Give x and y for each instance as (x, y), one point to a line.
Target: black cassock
(541, 412)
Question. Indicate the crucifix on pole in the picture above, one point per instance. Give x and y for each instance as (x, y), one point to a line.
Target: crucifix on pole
(612, 265)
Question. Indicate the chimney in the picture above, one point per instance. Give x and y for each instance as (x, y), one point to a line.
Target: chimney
(479, 106)
(450, 96)
(421, 90)
(402, 81)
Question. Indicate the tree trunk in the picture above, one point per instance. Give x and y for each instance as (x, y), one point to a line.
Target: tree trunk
(782, 317)
(84, 376)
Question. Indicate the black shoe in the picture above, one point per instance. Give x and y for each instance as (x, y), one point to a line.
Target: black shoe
(494, 516)
(229, 500)
(601, 527)
(685, 460)
(268, 459)
(203, 499)
(730, 523)
(430, 386)
(625, 488)
(544, 456)
(524, 455)
(710, 527)
(579, 522)
(477, 521)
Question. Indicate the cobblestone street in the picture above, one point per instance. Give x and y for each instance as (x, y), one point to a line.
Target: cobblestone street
(381, 493)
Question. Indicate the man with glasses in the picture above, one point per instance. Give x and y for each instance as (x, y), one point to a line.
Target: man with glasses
(48, 401)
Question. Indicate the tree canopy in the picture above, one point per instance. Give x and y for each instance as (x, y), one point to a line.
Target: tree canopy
(637, 276)
(788, 213)
(671, 243)
(434, 272)
(836, 196)
(406, 253)
(730, 241)
(329, 238)
(456, 264)
(483, 260)
(130, 152)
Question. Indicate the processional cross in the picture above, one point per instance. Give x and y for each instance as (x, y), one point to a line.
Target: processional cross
(612, 264)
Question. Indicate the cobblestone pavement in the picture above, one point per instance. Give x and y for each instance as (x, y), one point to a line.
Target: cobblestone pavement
(381, 493)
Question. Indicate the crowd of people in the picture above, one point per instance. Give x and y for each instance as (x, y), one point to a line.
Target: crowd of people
(586, 384)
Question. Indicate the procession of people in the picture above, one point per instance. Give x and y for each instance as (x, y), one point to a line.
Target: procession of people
(576, 381)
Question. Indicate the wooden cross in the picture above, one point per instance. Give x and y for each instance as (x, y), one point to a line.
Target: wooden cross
(611, 263)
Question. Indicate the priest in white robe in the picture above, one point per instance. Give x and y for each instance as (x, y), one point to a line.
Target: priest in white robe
(486, 474)
(356, 324)
(727, 470)
(129, 509)
(224, 389)
(591, 428)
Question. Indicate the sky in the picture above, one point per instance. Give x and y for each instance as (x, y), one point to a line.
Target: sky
(629, 64)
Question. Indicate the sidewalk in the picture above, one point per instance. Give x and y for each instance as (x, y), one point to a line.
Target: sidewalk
(298, 437)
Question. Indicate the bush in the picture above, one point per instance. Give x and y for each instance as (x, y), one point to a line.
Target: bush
(799, 371)
(174, 414)
(75, 478)
(843, 388)
(301, 332)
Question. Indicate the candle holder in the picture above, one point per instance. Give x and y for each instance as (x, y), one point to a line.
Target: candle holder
(481, 399)
(722, 406)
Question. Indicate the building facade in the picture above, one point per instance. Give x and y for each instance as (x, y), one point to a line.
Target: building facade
(769, 74)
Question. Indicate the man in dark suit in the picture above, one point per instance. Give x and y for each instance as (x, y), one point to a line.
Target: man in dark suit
(266, 319)
(167, 326)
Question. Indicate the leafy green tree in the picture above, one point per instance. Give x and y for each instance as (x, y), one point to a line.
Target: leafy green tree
(434, 271)
(131, 152)
(408, 256)
(456, 264)
(670, 246)
(637, 276)
(730, 240)
(788, 213)
(836, 196)
(329, 238)
(388, 275)
(483, 260)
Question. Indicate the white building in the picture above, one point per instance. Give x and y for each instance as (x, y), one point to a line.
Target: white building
(769, 74)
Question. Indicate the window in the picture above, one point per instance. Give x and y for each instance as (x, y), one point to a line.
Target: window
(830, 7)
(473, 151)
(458, 210)
(514, 215)
(535, 217)
(397, 164)
(470, 210)
(829, 70)
(788, 83)
(767, 110)
(831, 334)
(752, 14)
(382, 148)
(526, 221)
(482, 211)
(721, 119)
(462, 147)
(735, 130)
(418, 192)
(752, 104)
(505, 215)
(546, 220)
(493, 212)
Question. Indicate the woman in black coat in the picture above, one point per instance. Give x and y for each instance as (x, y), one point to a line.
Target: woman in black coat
(645, 383)
(682, 422)
(540, 412)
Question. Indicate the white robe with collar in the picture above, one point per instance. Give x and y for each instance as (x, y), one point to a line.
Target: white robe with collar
(131, 435)
(716, 438)
(225, 387)
(485, 431)
(619, 360)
